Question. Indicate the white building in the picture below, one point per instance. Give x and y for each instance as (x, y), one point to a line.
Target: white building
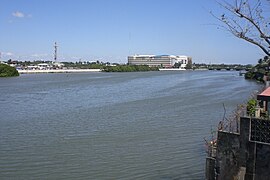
(161, 60)
(58, 65)
(43, 66)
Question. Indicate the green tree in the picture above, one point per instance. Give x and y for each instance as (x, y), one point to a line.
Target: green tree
(8, 71)
(129, 68)
(189, 65)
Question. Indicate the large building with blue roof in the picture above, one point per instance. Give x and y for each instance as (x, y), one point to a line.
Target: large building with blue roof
(159, 60)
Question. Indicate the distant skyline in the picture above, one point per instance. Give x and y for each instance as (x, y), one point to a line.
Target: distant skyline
(110, 30)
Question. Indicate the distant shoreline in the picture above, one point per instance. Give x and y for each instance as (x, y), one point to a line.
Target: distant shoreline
(58, 71)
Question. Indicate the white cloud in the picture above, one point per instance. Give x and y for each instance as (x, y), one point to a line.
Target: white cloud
(18, 14)
(39, 55)
(75, 57)
(8, 54)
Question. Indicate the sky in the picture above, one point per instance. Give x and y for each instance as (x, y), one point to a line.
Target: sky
(111, 30)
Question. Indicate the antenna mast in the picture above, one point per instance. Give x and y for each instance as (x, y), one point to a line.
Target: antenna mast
(55, 52)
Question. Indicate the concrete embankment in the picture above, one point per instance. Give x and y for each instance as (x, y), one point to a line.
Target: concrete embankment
(58, 71)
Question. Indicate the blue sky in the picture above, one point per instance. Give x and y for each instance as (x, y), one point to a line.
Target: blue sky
(110, 30)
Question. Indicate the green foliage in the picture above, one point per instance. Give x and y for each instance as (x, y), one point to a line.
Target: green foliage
(249, 75)
(129, 68)
(259, 71)
(189, 66)
(251, 107)
(83, 66)
(221, 66)
(8, 71)
(177, 65)
(256, 75)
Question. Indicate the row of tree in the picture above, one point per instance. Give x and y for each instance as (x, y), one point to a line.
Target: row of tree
(129, 68)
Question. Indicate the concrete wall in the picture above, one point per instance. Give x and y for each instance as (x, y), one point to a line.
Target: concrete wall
(258, 161)
(210, 171)
(244, 139)
(262, 163)
(238, 156)
(247, 148)
(228, 153)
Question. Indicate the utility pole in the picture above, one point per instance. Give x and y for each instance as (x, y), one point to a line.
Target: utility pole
(55, 52)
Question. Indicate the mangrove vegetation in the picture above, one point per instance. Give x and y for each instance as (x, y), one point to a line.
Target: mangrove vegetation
(7, 71)
(259, 71)
(129, 68)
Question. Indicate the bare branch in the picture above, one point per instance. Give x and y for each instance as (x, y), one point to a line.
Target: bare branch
(246, 21)
(241, 15)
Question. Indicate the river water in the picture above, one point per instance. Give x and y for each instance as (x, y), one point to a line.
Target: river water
(143, 125)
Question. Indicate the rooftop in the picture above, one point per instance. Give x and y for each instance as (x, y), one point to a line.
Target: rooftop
(266, 92)
(163, 55)
(265, 95)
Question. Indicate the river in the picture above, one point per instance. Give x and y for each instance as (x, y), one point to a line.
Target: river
(142, 125)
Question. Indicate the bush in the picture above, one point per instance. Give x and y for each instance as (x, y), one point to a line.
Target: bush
(129, 68)
(8, 71)
(258, 76)
(251, 107)
(249, 75)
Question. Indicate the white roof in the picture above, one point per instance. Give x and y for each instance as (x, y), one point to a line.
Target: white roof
(43, 64)
(171, 56)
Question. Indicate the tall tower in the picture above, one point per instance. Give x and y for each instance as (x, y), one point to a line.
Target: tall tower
(55, 52)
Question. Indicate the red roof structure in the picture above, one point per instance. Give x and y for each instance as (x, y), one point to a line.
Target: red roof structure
(265, 95)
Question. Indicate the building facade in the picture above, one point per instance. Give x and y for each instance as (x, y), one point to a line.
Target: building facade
(160, 60)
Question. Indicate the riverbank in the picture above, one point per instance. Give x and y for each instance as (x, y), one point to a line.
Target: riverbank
(58, 71)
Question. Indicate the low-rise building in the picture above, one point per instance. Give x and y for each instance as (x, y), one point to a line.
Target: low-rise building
(43, 66)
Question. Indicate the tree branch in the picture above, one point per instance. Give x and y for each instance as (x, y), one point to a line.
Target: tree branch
(262, 35)
(246, 22)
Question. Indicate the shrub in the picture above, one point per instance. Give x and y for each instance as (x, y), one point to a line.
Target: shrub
(8, 71)
(251, 107)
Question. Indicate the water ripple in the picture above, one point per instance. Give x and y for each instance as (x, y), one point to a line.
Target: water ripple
(147, 125)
